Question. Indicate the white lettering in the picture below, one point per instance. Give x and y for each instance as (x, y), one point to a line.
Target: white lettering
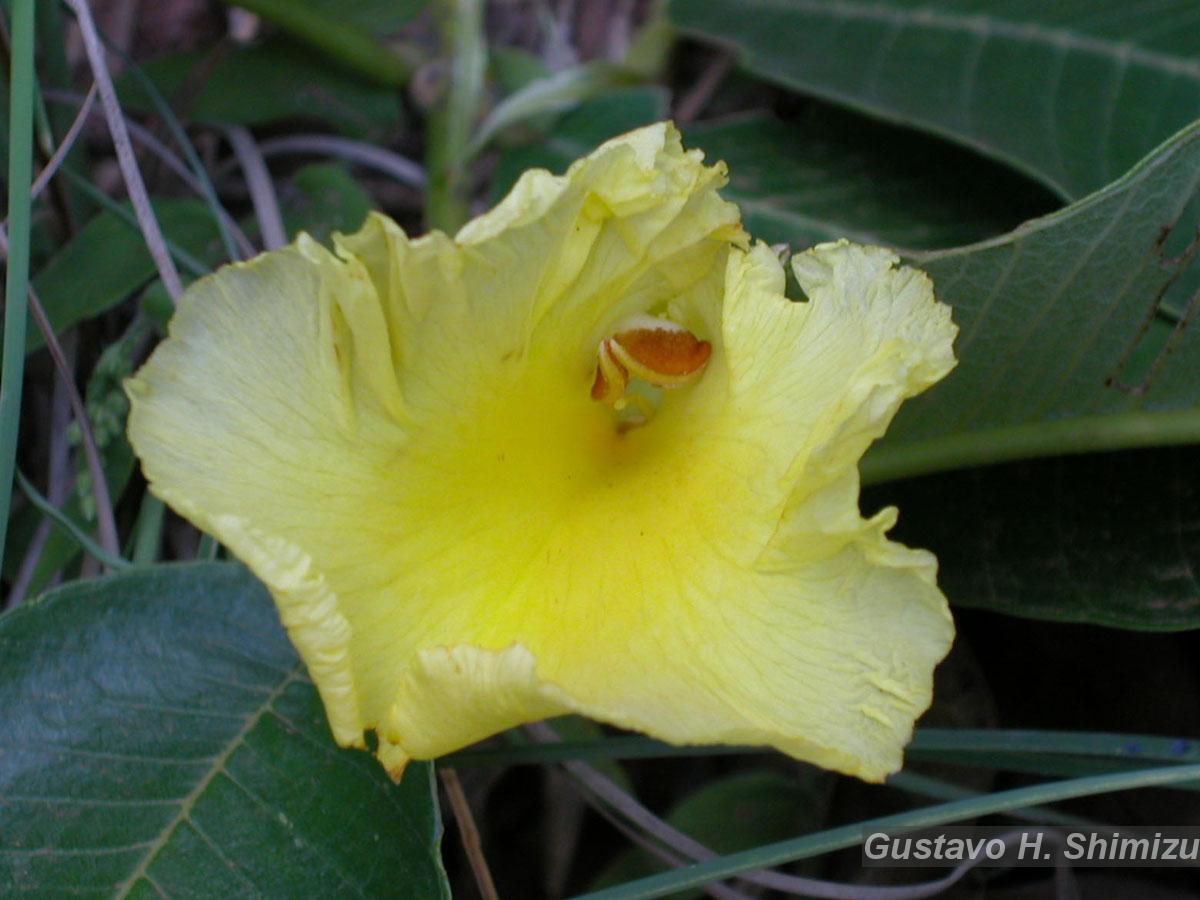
(1076, 841)
(1097, 850)
(1031, 844)
(1135, 848)
(876, 846)
(1170, 850)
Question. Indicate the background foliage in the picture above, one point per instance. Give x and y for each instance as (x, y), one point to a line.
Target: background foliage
(1041, 161)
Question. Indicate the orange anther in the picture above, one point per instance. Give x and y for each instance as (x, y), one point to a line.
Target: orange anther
(668, 354)
(657, 351)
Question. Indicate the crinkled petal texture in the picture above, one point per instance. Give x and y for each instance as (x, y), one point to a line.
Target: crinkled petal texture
(398, 439)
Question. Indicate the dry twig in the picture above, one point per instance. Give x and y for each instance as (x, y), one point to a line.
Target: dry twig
(468, 832)
(693, 102)
(262, 189)
(105, 522)
(134, 184)
(172, 161)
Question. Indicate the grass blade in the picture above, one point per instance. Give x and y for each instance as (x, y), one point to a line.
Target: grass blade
(65, 523)
(985, 747)
(20, 177)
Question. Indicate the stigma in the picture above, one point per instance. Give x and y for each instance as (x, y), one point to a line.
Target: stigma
(654, 350)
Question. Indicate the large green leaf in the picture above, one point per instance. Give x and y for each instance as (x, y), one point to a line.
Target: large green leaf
(1072, 92)
(835, 175)
(1111, 539)
(266, 82)
(1066, 340)
(161, 737)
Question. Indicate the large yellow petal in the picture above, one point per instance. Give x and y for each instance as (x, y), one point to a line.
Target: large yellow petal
(250, 421)
(719, 584)
(399, 440)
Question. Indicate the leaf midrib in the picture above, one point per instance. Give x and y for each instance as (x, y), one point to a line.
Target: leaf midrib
(987, 25)
(154, 847)
(981, 26)
(1030, 440)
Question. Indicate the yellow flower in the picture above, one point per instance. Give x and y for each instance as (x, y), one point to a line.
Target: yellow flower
(582, 457)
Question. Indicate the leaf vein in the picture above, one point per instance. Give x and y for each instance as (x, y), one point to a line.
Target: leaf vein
(218, 765)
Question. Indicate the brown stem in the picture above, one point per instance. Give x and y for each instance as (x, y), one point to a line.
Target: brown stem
(691, 103)
(105, 522)
(59, 475)
(469, 833)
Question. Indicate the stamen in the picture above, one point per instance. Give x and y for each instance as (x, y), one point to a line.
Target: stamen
(657, 351)
(611, 377)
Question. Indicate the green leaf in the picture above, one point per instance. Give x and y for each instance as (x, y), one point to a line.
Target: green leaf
(161, 736)
(380, 17)
(1072, 93)
(1066, 339)
(555, 93)
(579, 132)
(345, 32)
(107, 261)
(323, 198)
(513, 68)
(289, 83)
(734, 813)
(1110, 539)
(837, 175)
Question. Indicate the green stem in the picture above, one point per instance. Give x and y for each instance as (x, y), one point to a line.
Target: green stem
(208, 547)
(1085, 434)
(852, 835)
(20, 177)
(936, 789)
(451, 123)
(147, 531)
(339, 38)
(68, 526)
